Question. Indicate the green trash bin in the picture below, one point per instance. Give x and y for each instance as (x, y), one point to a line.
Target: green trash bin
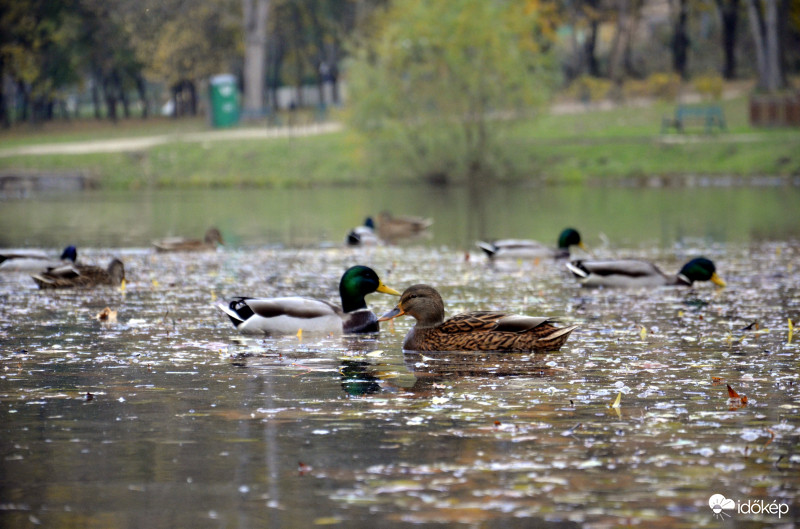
(224, 100)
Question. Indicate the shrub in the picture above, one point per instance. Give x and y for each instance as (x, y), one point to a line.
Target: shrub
(709, 86)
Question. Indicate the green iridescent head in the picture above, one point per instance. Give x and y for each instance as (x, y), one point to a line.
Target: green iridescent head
(700, 269)
(569, 237)
(357, 282)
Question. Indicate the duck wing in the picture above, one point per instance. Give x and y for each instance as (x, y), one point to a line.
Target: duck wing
(492, 331)
(626, 267)
(282, 315)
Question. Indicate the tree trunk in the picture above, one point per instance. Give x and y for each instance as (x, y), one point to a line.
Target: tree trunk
(765, 29)
(680, 40)
(142, 89)
(590, 46)
(5, 117)
(255, 14)
(729, 15)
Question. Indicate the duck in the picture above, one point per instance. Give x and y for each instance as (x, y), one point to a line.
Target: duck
(472, 331)
(641, 273)
(529, 249)
(81, 276)
(363, 235)
(210, 241)
(288, 315)
(393, 229)
(36, 260)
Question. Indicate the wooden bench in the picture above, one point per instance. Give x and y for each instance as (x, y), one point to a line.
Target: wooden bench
(709, 115)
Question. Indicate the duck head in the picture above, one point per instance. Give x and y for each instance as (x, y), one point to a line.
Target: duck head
(422, 302)
(570, 237)
(700, 269)
(357, 282)
(70, 253)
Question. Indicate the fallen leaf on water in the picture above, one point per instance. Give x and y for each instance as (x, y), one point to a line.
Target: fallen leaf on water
(643, 332)
(791, 330)
(107, 315)
(299, 334)
(736, 401)
(771, 437)
(617, 401)
(716, 381)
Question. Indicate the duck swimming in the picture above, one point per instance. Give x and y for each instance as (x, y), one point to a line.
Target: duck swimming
(81, 276)
(36, 260)
(472, 331)
(210, 241)
(288, 315)
(640, 273)
(529, 249)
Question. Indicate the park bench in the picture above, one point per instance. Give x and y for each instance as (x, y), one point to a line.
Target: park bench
(709, 115)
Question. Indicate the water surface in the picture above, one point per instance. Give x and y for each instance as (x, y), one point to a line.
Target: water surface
(168, 418)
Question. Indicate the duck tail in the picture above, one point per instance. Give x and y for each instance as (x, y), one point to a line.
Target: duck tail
(487, 247)
(42, 282)
(235, 310)
(558, 338)
(577, 269)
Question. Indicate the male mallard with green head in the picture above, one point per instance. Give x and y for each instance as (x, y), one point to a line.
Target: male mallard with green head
(288, 315)
(472, 331)
(639, 273)
(528, 249)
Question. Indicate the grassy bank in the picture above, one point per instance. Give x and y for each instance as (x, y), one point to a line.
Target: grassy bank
(585, 146)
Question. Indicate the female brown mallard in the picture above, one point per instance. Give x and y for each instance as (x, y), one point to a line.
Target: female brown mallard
(394, 229)
(81, 276)
(210, 241)
(472, 331)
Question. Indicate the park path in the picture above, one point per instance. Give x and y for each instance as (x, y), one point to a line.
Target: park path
(137, 144)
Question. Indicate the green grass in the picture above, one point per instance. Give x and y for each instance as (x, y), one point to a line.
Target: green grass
(623, 143)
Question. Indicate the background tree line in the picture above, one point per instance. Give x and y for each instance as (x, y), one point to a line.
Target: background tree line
(119, 51)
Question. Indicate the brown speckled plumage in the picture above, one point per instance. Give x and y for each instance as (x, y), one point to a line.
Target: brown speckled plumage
(81, 276)
(473, 331)
(212, 239)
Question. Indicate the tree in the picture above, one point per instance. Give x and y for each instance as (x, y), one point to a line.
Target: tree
(254, 15)
(193, 41)
(438, 84)
(680, 40)
(729, 15)
(764, 25)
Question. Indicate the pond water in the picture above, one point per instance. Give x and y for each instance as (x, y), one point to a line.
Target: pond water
(168, 418)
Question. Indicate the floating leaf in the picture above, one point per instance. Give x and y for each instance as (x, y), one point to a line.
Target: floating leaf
(299, 334)
(732, 393)
(107, 315)
(791, 330)
(617, 400)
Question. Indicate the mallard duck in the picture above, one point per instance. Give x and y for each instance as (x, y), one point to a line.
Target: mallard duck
(472, 331)
(35, 260)
(290, 314)
(363, 235)
(393, 229)
(81, 276)
(528, 249)
(639, 273)
(178, 244)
